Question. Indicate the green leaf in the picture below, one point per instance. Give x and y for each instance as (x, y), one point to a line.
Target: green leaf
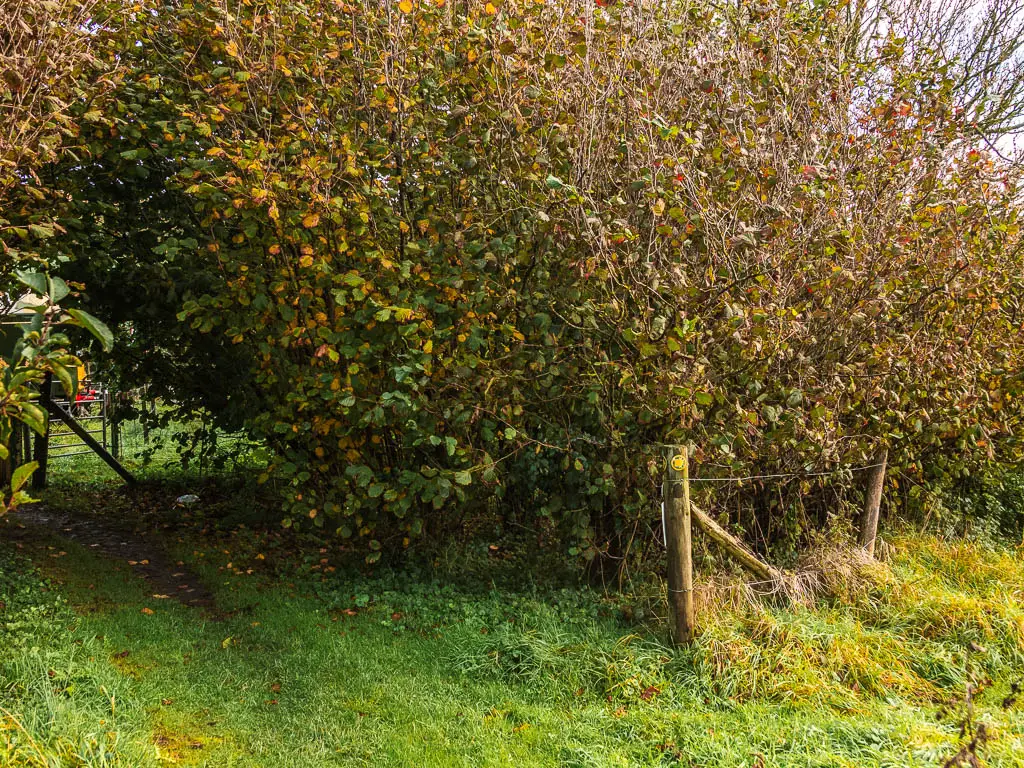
(553, 182)
(34, 416)
(94, 326)
(40, 231)
(67, 379)
(21, 475)
(34, 280)
(463, 478)
(58, 289)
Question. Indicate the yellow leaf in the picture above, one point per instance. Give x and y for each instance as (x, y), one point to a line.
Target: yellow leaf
(232, 49)
(273, 213)
(429, 346)
(405, 6)
(148, 611)
(658, 207)
(490, 9)
(311, 220)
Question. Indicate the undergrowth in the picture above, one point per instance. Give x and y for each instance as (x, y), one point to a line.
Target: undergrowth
(316, 664)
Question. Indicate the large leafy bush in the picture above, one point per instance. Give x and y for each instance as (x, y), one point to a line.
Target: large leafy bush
(467, 253)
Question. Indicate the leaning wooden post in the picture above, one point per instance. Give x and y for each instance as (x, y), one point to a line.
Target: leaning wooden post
(872, 502)
(679, 544)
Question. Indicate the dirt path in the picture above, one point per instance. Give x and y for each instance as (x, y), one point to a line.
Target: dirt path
(146, 554)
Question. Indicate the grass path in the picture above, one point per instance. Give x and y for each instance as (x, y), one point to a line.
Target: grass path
(100, 672)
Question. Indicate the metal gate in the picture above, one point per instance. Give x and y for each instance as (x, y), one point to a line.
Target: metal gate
(91, 409)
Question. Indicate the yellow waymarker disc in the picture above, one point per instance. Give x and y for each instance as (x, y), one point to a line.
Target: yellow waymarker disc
(677, 462)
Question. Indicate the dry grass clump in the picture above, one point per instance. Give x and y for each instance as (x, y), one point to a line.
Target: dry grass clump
(727, 595)
(844, 573)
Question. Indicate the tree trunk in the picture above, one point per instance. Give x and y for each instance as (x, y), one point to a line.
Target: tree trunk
(872, 502)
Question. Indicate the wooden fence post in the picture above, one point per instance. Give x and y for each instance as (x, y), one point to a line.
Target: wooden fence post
(42, 442)
(872, 502)
(678, 541)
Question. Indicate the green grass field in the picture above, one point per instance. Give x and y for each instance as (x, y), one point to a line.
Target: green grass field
(304, 663)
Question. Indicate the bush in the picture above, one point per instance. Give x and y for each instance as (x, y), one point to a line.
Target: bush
(485, 256)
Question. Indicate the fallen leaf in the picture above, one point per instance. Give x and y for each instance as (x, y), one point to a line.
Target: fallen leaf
(148, 611)
(650, 692)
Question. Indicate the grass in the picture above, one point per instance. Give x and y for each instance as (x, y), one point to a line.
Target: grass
(152, 453)
(307, 664)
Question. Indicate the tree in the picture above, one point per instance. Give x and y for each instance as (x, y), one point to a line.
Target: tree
(45, 45)
(45, 51)
(479, 253)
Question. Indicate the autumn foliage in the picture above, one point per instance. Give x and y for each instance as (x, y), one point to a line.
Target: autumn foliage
(468, 254)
